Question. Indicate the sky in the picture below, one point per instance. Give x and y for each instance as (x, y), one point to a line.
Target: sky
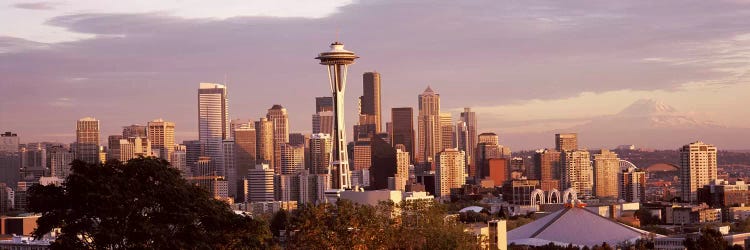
(523, 66)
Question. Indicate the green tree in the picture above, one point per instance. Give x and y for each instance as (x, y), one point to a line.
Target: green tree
(143, 204)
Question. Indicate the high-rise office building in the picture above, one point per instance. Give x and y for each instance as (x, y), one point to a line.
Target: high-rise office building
(450, 172)
(87, 140)
(324, 103)
(428, 126)
(469, 141)
(447, 131)
(33, 162)
(213, 123)
(698, 167)
(337, 61)
(302, 187)
(632, 185)
(320, 153)
(60, 158)
(135, 130)
(606, 168)
(193, 149)
(10, 160)
(124, 149)
(383, 163)
(322, 122)
(161, 135)
(230, 168)
(566, 142)
(244, 152)
(371, 98)
(402, 170)
(547, 169)
(292, 158)
(264, 142)
(577, 172)
(280, 119)
(402, 120)
(298, 139)
(362, 155)
(487, 148)
(179, 160)
(498, 170)
(259, 184)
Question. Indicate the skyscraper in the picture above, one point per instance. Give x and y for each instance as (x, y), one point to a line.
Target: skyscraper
(383, 163)
(606, 168)
(403, 129)
(60, 158)
(320, 153)
(292, 158)
(450, 172)
(577, 172)
(213, 123)
(488, 148)
(280, 119)
(362, 155)
(244, 152)
(547, 169)
(337, 60)
(193, 149)
(264, 142)
(469, 119)
(161, 135)
(566, 142)
(428, 126)
(632, 185)
(447, 131)
(324, 103)
(402, 169)
(230, 168)
(135, 130)
(10, 160)
(179, 160)
(371, 98)
(260, 184)
(322, 122)
(698, 167)
(87, 140)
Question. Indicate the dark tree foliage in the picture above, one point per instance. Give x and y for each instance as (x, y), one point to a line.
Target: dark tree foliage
(646, 218)
(345, 225)
(709, 239)
(143, 204)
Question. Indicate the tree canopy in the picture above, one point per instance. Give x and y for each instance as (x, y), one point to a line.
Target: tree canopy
(143, 204)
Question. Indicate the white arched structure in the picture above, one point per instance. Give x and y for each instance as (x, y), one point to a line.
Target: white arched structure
(625, 165)
(553, 197)
(537, 197)
(569, 195)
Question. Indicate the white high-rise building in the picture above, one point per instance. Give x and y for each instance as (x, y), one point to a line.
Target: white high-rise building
(321, 147)
(260, 184)
(179, 160)
(450, 171)
(606, 170)
(577, 172)
(213, 122)
(292, 158)
(698, 167)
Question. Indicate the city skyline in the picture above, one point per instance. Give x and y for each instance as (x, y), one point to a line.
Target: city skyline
(509, 99)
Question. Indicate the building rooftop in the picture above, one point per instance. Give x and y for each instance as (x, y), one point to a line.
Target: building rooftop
(577, 226)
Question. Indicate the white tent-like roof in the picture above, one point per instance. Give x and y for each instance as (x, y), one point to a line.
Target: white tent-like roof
(576, 226)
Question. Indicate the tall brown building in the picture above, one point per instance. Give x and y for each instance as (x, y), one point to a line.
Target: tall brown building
(488, 148)
(606, 169)
(264, 142)
(371, 98)
(566, 142)
(87, 140)
(547, 169)
(447, 130)
(403, 129)
(277, 114)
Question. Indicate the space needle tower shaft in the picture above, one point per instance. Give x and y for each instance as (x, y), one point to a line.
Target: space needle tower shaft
(338, 60)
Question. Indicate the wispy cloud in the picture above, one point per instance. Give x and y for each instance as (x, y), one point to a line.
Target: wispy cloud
(36, 6)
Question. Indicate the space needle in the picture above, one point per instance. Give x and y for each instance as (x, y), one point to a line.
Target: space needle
(338, 60)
